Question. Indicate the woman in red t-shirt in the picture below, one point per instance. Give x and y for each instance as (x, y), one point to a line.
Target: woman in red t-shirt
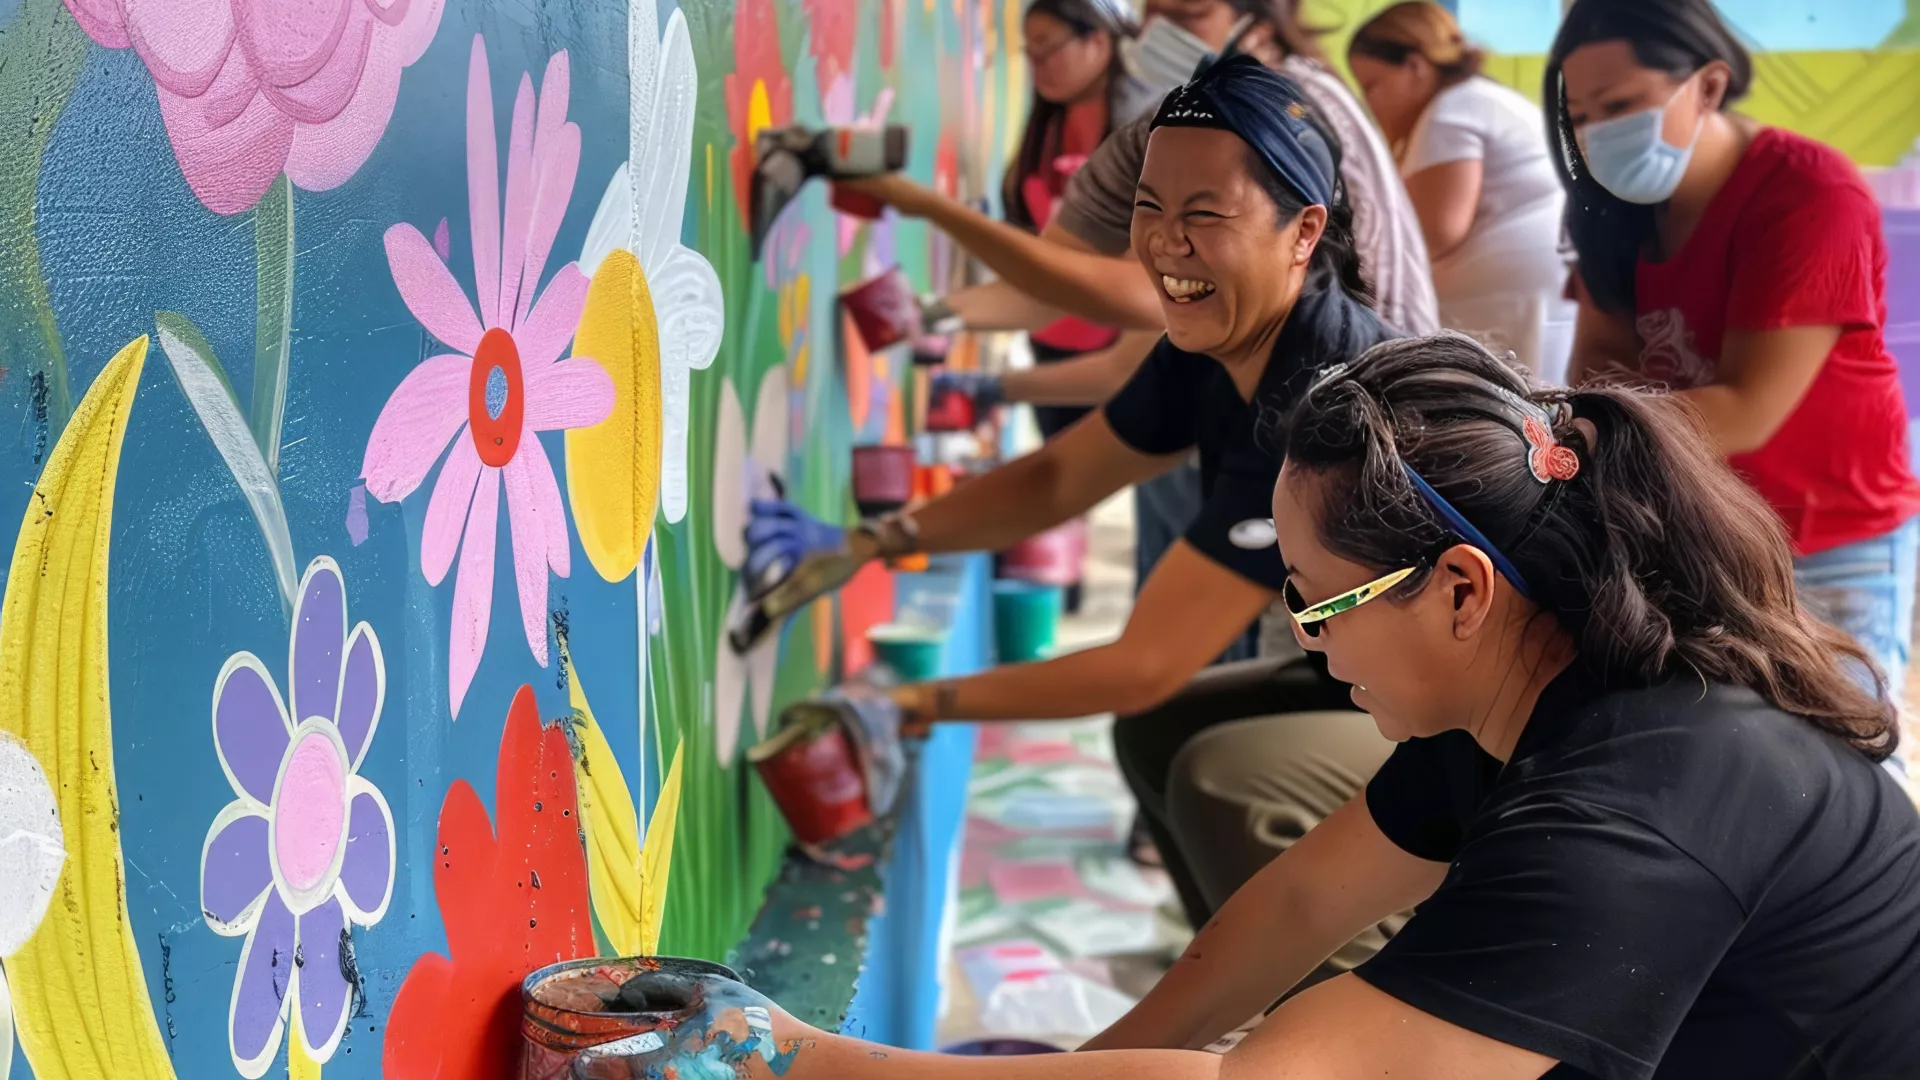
(1745, 267)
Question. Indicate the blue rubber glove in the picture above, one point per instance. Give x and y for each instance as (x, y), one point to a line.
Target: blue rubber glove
(779, 536)
(983, 388)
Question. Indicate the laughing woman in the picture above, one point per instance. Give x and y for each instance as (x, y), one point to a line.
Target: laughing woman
(1240, 221)
(1634, 794)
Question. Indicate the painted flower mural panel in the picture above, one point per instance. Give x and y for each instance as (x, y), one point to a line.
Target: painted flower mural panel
(654, 313)
(252, 88)
(514, 899)
(306, 849)
(759, 91)
(743, 468)
(505, 382)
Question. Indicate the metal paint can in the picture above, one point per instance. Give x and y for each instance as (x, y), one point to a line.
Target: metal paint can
(564, 1008)
(813, 774)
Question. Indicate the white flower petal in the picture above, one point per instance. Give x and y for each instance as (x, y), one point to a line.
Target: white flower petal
(662, 150)
(610, 225)
(686, 296)
(763, 663)
(770, 422)
(729, 692)
(32, 849)
(730, 481)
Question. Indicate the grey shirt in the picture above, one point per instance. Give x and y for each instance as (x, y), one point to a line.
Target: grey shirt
(1098, 207)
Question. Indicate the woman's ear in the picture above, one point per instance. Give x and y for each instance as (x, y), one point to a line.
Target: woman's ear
(1467, 576)
(1313, 225)
(1715, 78)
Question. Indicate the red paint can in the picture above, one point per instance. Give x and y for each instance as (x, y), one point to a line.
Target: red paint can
(882, 478)
(573, 1006)
(814, 776)
(885, 309)
(951, 410)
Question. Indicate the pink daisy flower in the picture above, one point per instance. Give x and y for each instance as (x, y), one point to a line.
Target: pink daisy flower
(505, 382)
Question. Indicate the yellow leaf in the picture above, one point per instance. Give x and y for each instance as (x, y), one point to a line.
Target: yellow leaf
(613, 467)
(613, 828)
(79, 994)
(656, 860)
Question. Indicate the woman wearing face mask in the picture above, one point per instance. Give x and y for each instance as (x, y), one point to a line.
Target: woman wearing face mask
(1745, 267)
(1240, 220)
(1634, 794)
(1476, 168)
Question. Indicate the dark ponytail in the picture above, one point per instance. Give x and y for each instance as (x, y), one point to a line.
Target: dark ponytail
(1678, 37)
(1337, 256)
(1656, 558)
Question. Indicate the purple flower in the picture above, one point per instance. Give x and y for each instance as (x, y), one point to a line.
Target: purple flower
(307, 847)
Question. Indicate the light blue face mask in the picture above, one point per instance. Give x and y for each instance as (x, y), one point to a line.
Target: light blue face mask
(1630, 158)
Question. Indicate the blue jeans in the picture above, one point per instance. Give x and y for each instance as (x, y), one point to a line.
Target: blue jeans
(1866, 588)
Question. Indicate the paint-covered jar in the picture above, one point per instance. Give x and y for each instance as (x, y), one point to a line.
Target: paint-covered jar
(581, 1005)
(811, 770)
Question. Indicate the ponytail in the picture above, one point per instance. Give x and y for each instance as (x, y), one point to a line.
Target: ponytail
(1655, 557)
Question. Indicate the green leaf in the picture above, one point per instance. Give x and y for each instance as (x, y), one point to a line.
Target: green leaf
(210, 392)
(273, 316)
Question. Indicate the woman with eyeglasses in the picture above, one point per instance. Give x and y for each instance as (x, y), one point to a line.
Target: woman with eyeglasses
(1745, 267)
(1634, 791)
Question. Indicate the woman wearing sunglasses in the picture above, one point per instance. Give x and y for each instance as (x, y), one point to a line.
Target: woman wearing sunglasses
(1634, 794)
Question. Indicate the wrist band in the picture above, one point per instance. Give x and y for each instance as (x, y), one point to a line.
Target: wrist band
(896, 534)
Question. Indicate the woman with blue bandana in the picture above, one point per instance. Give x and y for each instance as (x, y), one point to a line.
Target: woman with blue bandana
(1242, 225)
(1744, 267)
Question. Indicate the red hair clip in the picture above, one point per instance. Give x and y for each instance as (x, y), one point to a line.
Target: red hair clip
(1548, 459)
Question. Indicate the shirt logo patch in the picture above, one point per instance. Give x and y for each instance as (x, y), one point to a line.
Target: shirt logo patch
(1253, 534)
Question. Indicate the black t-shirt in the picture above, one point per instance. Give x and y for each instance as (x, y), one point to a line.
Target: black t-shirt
(1179, 400)
(1677, 881)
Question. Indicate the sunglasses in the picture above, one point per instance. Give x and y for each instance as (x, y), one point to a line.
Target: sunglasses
(1310, 618)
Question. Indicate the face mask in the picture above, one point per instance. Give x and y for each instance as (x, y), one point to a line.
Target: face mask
(1164, 55)
(1629, 157)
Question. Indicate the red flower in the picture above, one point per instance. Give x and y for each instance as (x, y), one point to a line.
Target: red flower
(836, 32)
(759, 93)
(511, 904)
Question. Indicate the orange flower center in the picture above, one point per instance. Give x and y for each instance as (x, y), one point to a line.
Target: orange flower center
(496, 398)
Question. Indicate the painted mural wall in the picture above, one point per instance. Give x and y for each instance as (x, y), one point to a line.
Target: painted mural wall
(383, 384)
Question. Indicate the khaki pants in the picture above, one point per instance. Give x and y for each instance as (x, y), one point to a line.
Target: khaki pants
(1235, 768)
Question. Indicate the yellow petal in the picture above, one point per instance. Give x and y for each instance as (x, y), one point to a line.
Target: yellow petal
(300, 1064)
(612, 827)
(613, 468)
(657, 858)
(79, 994)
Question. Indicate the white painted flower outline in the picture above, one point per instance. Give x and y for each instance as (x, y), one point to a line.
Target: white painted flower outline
(642, 212)
(742, 470)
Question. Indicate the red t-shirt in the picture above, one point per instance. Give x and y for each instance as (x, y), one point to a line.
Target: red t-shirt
(1794, 239)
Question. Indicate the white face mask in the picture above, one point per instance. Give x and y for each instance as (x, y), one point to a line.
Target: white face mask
(1165, 54)
(1630, 157)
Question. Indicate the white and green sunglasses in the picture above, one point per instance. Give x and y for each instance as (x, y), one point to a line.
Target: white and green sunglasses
(1310, 618)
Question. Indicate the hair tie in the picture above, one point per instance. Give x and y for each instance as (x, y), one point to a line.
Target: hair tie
(1547, 457)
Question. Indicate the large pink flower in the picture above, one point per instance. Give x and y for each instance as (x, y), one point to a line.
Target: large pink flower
(505, 383)
(253, 88)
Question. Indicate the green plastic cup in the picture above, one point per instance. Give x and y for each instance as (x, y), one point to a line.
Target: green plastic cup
(913, 652)
(1026, 619)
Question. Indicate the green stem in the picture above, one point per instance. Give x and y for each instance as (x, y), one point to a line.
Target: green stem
(273, 316)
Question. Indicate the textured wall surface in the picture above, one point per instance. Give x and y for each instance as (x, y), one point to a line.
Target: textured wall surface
(383, 384)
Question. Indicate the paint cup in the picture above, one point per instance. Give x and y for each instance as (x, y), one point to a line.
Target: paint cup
(913, 652)
(949, 409)
(882, 478)
(813, 774)
(1026, 619)
(577, 1005)
(885, 309)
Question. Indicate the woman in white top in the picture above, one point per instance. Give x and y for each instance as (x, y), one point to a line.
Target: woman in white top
(1474, 157)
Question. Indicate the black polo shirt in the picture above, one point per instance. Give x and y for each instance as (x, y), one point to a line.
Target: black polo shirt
(1179, 400)
(1676, 882)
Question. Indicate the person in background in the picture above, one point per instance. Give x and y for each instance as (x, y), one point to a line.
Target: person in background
(1475, 165)
(1744, 266)
(1081, 90)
